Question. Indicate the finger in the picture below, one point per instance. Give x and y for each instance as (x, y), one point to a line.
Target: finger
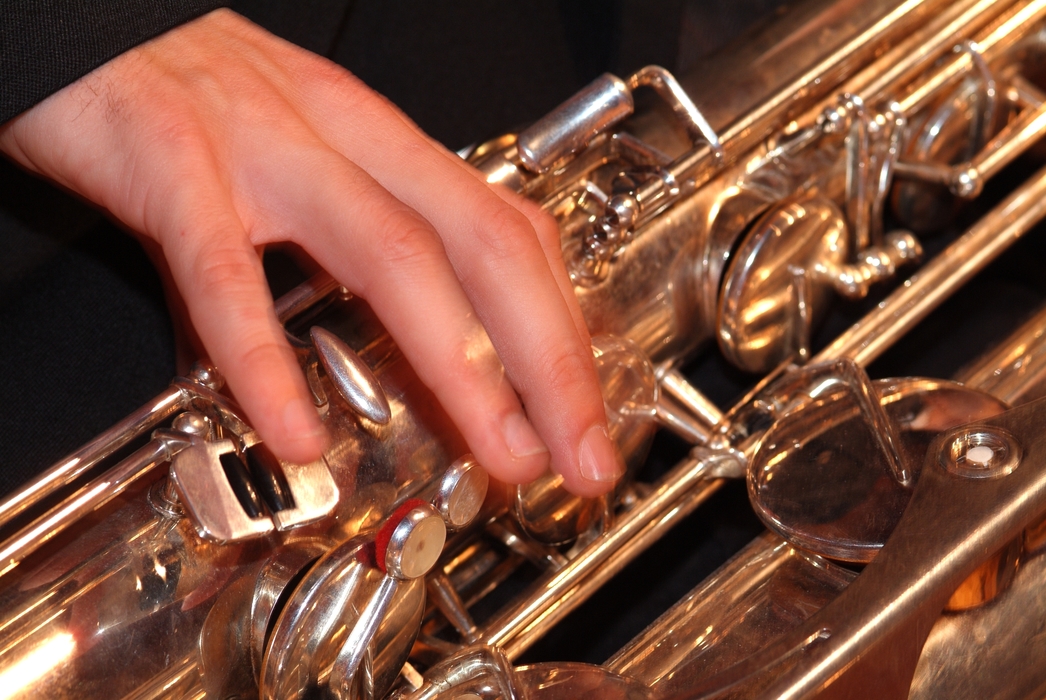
(552, 244)
(507, 276)
(312, 104)
(222, 282)
(544, 225)
(546, 346)
(388, 254)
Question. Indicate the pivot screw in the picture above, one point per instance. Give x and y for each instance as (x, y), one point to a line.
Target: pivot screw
(192, 423)
(206, 374)
(980, 453)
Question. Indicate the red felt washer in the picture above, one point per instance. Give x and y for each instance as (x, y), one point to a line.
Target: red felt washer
(381, 540)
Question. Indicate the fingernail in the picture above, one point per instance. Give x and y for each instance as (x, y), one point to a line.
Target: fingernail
(599, 459)
(520, 437)
(303, 424)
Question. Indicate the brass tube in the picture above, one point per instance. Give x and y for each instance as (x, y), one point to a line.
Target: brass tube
(304, 296)
(675, 385)
(793, 96)
(991, 42)
(72, 467)
(91, 496)
(1017, 138)
(927, 289)
(175, 398)
(1016, 370)
(555, 595)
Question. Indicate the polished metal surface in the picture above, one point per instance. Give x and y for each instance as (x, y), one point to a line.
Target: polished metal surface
(937, 279)
(354, 380)
(819, 478)
(82, 503)
(765, 590)
(843, 649)
(1000, 223)
(551, 598)
(199, 475)
(569, 128)
(461, 492)
(343, 613)
(78, 463)
(311, 492)
(779, 283)
(961, 647)
(415, 543)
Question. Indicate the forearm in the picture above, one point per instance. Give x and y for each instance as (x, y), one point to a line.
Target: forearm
(47, 44)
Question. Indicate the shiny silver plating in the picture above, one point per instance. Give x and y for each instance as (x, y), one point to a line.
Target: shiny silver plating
(416, 543)
(461, 492)
(353, 378)
(737, 218)
(347, 626)
(980, 453)
(206, 494)
(570, 127)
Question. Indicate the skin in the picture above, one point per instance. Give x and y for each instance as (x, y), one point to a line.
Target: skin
(218, 138)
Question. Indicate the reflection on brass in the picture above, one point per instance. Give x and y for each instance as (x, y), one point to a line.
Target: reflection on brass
(990, 579)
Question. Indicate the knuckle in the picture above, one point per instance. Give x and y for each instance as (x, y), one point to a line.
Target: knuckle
(471, 365)
(502, 231)
(223, 273)
(362, 187)
(264, 355)
(176, 134)
(406, 240)
(340, 85)
(368, 106)
(567, 372)
(548, 233)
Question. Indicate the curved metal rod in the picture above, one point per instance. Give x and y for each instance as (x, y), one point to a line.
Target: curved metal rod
(928, 288)
(91, 496)
(665, 84)
(68, 470)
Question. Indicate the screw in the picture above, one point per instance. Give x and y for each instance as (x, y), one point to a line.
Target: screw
(980, 453)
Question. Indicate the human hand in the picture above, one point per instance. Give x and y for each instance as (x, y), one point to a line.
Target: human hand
(217, 138)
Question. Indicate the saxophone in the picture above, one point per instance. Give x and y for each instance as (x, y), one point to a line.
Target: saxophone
(723, 212)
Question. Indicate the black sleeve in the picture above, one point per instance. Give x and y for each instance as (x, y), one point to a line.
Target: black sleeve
(47, 44)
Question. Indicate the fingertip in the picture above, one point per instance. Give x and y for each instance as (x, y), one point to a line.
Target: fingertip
(597, 466)
(515, 471)
(520, 437)
(598, 459)
(278, 406)
(303, 437)
(511, 452)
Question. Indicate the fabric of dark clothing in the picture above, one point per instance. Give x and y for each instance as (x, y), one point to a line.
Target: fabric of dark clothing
(470, 69)
(47, 44)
